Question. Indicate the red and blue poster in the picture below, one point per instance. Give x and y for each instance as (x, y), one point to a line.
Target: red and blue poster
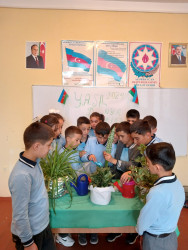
(77, 63)
(111, 63)
(144, 64)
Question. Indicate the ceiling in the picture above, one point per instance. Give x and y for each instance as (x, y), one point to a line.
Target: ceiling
(169, 6)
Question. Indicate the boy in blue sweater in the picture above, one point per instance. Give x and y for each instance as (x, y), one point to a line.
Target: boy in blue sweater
(159, 217)
(96, 146)
(73, 136)
(30, 218)
(153, 125)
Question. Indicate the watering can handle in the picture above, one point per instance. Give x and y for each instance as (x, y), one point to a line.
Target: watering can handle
(80, 176)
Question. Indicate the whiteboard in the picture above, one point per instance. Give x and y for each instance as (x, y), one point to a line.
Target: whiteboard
(168, 106)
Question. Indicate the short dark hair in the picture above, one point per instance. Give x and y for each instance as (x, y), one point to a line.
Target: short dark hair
(123, 126)
(140, 127)
(102, 128)
(34, 46)
(133, 113)
(37, 132)
(162, 153)
(82, 120)
(151, 121)
(71, 131)
(50, 120)
(114, 125)
(58, 116)
(100, 116)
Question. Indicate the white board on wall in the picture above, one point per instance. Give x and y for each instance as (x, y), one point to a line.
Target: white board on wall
(168, 106)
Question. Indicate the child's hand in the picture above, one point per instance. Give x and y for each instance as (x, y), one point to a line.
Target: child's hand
(125, 177)
(82, 153)
(109, 158)
(92, 158)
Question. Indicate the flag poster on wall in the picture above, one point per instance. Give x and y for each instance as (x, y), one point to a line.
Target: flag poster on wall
(144, 64)
(111, 63)
(77, 63)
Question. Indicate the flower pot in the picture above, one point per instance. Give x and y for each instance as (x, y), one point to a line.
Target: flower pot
(101, 195)
(56, 188)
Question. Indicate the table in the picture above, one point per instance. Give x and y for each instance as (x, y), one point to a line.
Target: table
(83, 216)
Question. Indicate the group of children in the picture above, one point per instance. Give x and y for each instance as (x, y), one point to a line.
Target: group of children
(89, 139)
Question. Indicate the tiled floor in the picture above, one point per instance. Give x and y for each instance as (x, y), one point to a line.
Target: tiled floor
(119, 244)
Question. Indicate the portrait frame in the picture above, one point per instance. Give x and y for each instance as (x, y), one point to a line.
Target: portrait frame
(40, 54)
(174, 49)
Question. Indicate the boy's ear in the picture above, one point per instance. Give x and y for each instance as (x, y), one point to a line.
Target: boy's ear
(36, 146)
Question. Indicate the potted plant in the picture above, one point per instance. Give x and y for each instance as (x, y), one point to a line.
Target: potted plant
(58, 173)
(144, 180)
(101, 186)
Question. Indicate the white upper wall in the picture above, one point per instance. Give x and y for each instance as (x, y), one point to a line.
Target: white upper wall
(167, 6)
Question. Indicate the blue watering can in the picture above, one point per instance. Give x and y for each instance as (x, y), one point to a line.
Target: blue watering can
(82, 185)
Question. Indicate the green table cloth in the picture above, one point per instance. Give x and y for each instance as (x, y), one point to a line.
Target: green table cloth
(83, 213)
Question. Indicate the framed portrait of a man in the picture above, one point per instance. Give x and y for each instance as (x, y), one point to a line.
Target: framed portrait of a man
(177, 55)
(35, 55)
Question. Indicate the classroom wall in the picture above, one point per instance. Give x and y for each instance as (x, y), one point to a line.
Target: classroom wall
(20, 25)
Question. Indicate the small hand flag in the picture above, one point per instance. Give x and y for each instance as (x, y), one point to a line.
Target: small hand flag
(133, 92)
(63, 97)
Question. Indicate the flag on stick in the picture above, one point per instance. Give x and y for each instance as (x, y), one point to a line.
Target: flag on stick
(134, 93)
(63, 97)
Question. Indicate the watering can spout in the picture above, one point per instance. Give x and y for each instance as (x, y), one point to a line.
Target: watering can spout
(116, 184)
(73, 185)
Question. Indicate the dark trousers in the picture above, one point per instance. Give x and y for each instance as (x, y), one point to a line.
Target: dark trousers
(43, 240)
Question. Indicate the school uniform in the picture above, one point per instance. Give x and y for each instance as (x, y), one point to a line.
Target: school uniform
(30, 217)
(159, 217)
(125, 156)
(82, 145)
(97, 149)
(92, 133)
(157, 139)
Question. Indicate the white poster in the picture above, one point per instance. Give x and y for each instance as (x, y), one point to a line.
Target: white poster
(111, 63)
(77, 63)
(144, 64)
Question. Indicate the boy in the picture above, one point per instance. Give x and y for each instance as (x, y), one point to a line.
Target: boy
(94, 152)
(141, 134)
(83, 123)
(73, 136)
(126, 150)
(96, 145)
(30, 223)
(132, 116)
(125, 155)
(153, 125)
(158, 218)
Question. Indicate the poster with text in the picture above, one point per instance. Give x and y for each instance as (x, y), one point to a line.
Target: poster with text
(111, 64)
(144, 64)
(77, 63)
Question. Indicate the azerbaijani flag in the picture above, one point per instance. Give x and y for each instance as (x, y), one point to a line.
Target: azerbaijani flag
(63, 97)
(110, 65)
(42, 51)
(78, 60)
(134, 93)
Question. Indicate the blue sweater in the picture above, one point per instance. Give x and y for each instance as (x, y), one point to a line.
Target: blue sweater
(163, 206)
(97, 149)
(29, 200)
